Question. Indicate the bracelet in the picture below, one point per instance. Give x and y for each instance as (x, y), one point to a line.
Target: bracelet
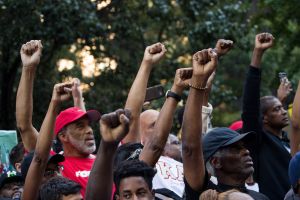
(169, 93)
(196, 87)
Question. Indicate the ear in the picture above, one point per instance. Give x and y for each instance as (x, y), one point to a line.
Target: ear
(18, 166)
(265, 119)
(216, 163)
(63, 136)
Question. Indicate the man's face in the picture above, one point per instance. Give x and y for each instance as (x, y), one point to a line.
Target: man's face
(80, 136)
(236, 161)
(276, 115)
(134, 187)
(77, 196)
(10, 189)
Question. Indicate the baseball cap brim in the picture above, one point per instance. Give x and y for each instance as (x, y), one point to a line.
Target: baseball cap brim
(93, 115)
(243, 137)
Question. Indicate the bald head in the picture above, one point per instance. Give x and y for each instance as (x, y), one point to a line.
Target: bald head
(147, 123)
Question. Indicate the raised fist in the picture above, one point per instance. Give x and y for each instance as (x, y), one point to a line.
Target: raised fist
(182, 77)
(223, 46)
(115, 126)
(62, 91)
(204, 63)
(284, 90)
(31, 53)
(154, 53)
(264, 41)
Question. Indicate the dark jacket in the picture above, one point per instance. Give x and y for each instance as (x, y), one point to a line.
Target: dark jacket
(269, 152)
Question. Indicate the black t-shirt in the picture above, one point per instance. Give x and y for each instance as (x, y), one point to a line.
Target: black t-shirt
(191, 194)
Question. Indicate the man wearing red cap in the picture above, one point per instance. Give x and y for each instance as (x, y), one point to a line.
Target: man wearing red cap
(73, 130)
(72, 126)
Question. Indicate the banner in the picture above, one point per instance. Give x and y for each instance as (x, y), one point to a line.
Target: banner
(8, 139)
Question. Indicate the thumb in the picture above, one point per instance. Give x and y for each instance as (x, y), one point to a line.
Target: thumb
(40, 47)
(213, 56)
(123, 128)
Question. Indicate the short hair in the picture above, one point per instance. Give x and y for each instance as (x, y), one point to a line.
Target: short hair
(210, 169)
(128, 151)
(264, 103)
(57, 187)
(16, 154)
(131, 168)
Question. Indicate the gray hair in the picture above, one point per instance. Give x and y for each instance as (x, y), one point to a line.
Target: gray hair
(210, 169)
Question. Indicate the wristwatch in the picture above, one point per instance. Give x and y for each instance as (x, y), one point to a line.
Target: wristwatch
(169, 93)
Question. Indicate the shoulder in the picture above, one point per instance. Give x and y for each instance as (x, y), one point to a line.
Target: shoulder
(257, 195)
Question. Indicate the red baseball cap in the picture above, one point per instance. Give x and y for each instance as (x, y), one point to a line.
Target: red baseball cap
(236, 125)
(70, 115)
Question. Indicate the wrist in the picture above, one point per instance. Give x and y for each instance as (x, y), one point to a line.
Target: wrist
(177, 89)
(258, 51)
(198, 81)
(147, 63)
(173, 95)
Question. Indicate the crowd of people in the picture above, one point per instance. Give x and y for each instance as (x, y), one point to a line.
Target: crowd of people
(138, 157)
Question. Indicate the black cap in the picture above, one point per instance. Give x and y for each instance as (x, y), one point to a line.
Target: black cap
(10, 177)
(56, 158)
(220, 137)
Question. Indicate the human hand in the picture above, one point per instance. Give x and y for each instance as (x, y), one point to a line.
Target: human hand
(31, 53)
(264, 41)
(223, 46)
(62, 92)
(204, 64)
(154, 53)
(182, 79)
(115, 126)
(284, 90)
(76, 90)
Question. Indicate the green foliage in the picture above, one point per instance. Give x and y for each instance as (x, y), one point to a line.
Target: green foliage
(122, 29)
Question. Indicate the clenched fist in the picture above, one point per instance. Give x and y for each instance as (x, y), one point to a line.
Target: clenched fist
(31, 53)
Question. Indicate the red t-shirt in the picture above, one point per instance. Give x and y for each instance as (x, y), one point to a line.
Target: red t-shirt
(78, 170)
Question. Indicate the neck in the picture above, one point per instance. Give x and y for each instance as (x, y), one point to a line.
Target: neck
(232, 180)
(275, 131)
(70, 151)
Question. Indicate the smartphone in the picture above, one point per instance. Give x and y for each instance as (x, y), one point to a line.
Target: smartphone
(282, 76)
(154, 92)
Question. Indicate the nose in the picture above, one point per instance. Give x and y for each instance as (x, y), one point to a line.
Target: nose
(245, 152)
(88, 130)
(284, 111)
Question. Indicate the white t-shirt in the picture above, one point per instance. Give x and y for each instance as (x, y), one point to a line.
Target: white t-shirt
(169, 175)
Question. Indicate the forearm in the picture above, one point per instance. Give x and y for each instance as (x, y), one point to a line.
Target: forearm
(41, 154)
(257, 57)
(102, 170)
(155, 145)
(251, 100)
(193, 162)
(24, 107)
(45, 137)
(135, 101)
(79, 103)
(295, 136)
